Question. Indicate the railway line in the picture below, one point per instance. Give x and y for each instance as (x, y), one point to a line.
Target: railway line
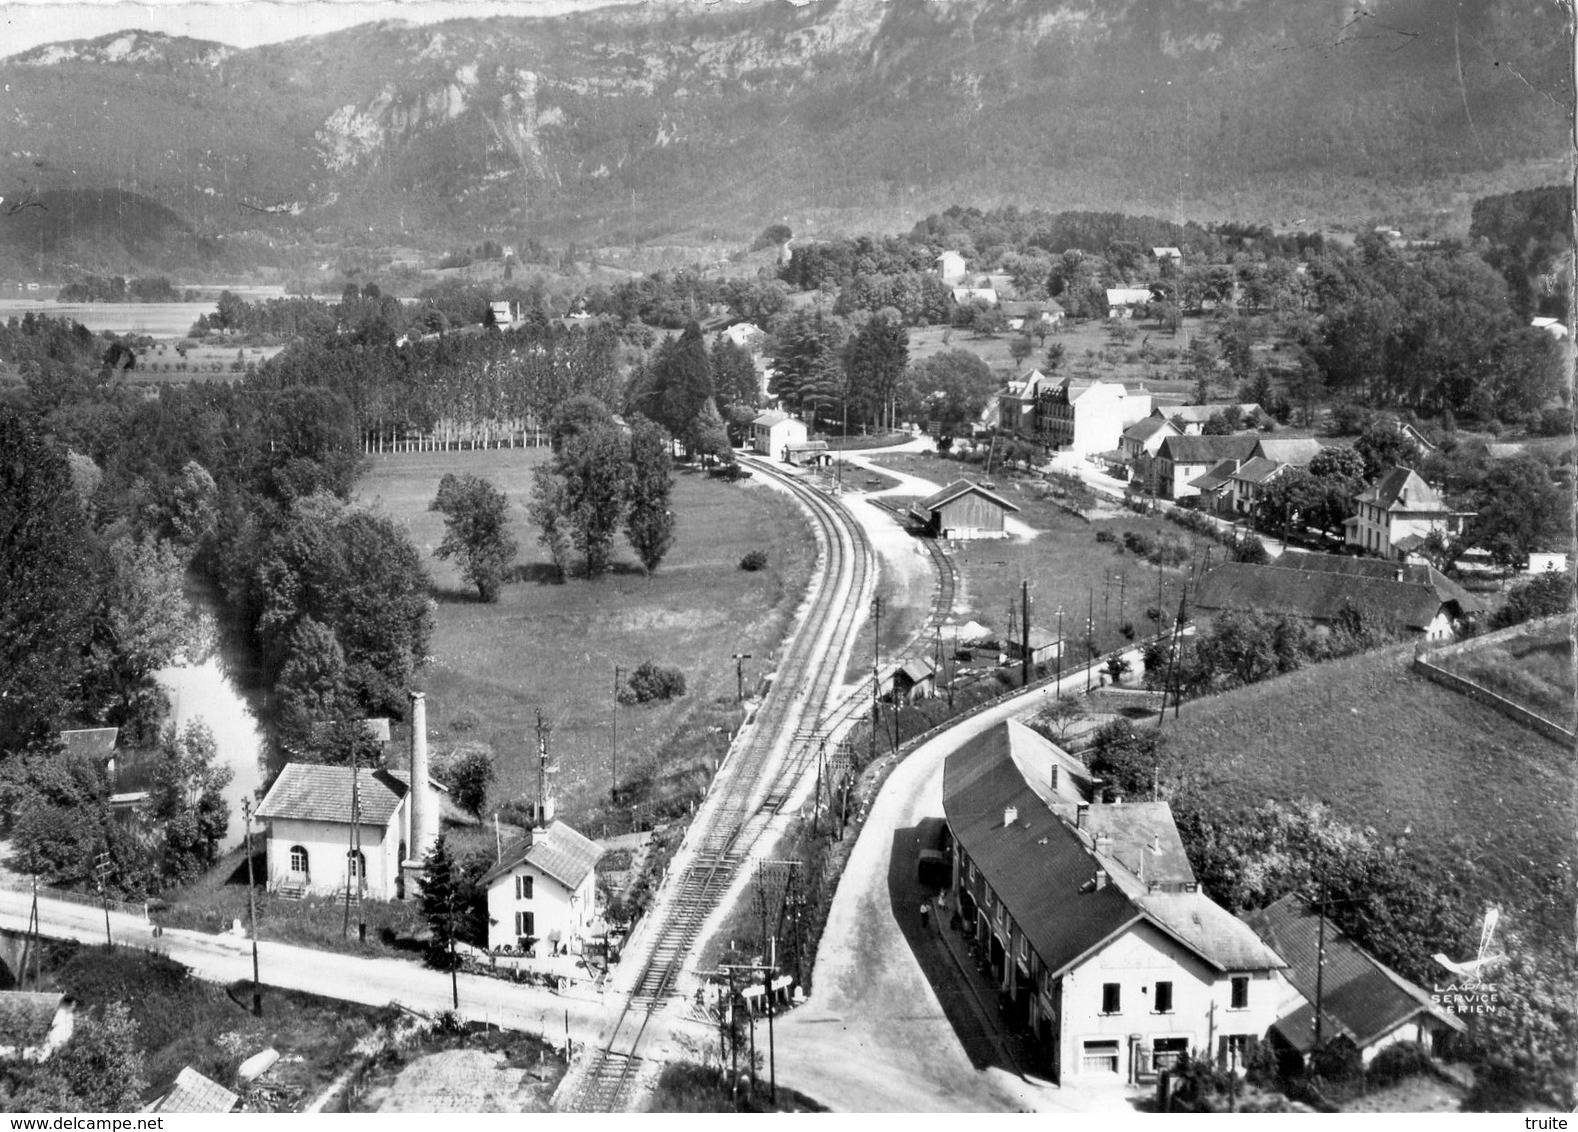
(750, 788)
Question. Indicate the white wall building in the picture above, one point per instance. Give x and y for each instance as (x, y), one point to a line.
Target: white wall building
(772, 433)
(543, 891)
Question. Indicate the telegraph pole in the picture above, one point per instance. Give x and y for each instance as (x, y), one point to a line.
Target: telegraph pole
(1060, 646)
(252, 910)
(613, 790)
(739, 659)
(1024, 616)
(1090, 630)
(102, 871)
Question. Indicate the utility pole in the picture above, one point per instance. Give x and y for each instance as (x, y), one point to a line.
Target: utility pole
(33, 928)
(1060, 646)
(252, 910)
(1090, 630)
(1024, 636)
(1320, 964)
(613, 790)
(353, 857)
(101, 870)
(1123, 585)
(739, 659)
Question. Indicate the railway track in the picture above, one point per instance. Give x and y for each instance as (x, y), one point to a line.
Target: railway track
(752, 785)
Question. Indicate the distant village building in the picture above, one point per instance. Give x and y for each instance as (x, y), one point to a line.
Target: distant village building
(773, 432)
(1122, 302)
(1552, 326)
(971, 296)
(1543, 560)
(1090, 921)
(808, 454)
(1364, 1003)
(745, 335)
(1214, 487)
(1323, 588)
(950, 265)
(1087, 417)
(543, 890)
(1165, 255)
(1182, 458)
(1016, 402)
(1397, 515)
(1045, 647)
(963, 510)
(34, 1024)
(1190, 419)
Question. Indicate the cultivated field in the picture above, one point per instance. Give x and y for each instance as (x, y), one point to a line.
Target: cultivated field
(1532, 668)
(1489, 800)
(553, 648)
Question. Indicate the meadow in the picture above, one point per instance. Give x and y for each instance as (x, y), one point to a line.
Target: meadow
(553, 648)
(1532, 667)
(1488, 800)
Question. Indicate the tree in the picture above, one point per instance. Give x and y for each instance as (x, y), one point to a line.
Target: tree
(99, 1070)
(734, 376)
(649, 523)
(1127, 761)
(548, 509)
(1383, 446)
(1520, 509)
(681, 383)
(594, 470)
(311, 686)
(807, 368)
(955, 387)
(468, 773)
(446, 908)
(58, 804)
(187, 800)
(476, 531)
(1544, 595)
(875, 362)
(50, 587)
(579, 414)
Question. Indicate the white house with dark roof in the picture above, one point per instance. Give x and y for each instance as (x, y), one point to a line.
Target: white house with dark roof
(1395, 516)
(1091, 922)
(1122, 302)
(772, 434)
(544, 888)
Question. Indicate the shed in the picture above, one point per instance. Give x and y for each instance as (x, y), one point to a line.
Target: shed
(808, 454)
(964, 510)
(911, 680)
(1045, 647)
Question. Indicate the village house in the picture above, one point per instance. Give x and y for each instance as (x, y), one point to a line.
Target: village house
(1086, 417)
(1215, 487)
(808, 454)
(1123, 302)
(745, 335)
(544, 889)
(963, 510)
(950, 265)
(1396, 515)
(310, 830)
(773, 432)
(1022, 311)
(1181, 458)
(34, 1024)
(1295, 452)
(1091, 921)
(1016, 402)
(974, 296)
(1166, 255)
(1190, 419)
(1324, 588)
(1140, 439)
(1249, 481)
(1363, 1002)
(1552, 326)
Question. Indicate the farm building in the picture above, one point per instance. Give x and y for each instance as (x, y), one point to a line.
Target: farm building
(1363, 1002)
(34, 1024)
(1325, 587)
(772, 433)
(1398, 513)
(544, 888)
(963, 510)
(1091, 922)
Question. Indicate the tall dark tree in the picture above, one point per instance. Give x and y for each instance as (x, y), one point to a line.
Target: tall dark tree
(1520, 510)
(808, 370)
(47, 580)
(549, 512)
(593, 468)
(649, 523)
(476, 531)
(734, 376)
(954, 388)
(446, 907)
(681, 383)
(875, 362)
(1384, 446)
(188, 802)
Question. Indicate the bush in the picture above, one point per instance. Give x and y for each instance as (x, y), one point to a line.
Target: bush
(649, 682)
(1105, 536)
(1252, 551)
(1395, 1062)
(755, 560)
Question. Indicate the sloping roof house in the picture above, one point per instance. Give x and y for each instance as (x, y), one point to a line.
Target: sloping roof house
(1296, 452)
(307, 813)
(1362, 999)
(773, 432)
(951, 266)
(1400, 504)
(1091, 921)
(1182, 458)
(1191, 419)
(1215, 486)
(34, 1024)
(1016, 402)
(543, 888)
(1249, 481)
(910, 680)
(1087, 417)
(1316, 587)
(1121, 301)
(964, 509)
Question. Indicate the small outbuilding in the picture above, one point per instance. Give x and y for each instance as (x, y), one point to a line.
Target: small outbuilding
(965, 510)
(914, 679)
(808, 454)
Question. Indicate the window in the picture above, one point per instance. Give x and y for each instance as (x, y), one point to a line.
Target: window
(1111, 998)
(1024, 948)
(1240, 999)
(1233, 1051)
(298, 859)
(1164, 998)
(1099, 1057)
(525, 923)
(355, 867)
(523, 888)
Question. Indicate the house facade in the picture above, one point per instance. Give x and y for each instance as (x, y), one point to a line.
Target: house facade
(1122, 302)
(1091, 922)
(1181, 459)
(963, 510)
(1190, 419)
(307, 816)
(542, 895)
(772, 433)
(1250, 480)
(1087, 417)
(1398, 514)
(950, 265)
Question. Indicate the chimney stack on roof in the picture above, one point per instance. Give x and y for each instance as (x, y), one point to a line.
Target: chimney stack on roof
(1056, 776)
(1010, 815)
(1081, 815)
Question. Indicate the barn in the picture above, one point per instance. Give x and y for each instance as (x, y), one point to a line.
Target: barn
(963, 509)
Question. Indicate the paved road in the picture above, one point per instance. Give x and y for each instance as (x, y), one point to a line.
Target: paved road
(376, 982)
(873, 1036)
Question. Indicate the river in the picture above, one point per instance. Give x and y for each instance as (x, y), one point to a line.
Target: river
(157, 320)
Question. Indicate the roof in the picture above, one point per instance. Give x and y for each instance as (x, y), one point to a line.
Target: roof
(1167, 253)
(1361, 997)
(1401, 489)
(193, 1092)
(1123, 296)
(93, 742)
(916, 670)
(315, 792)
(807, 446)
(1257, 469)
(1420, 575)
(557, 851)
(1218, 477)
(1199, 414)
(1297, 452)
(768, 419)
(1143, 430)
(963, 487)
(1206, 449)
(1043, 869)
(1316, 595)
(26, 1017)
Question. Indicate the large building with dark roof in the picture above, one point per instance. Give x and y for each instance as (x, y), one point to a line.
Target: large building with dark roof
(1091, 920)
(1396, 515)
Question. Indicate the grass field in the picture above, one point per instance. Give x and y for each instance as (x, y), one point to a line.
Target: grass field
(553, 648)
(1487, 799)
(1531, 667)
(1066, 566)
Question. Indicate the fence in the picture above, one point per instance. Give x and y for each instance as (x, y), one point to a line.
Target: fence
(67, 896)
